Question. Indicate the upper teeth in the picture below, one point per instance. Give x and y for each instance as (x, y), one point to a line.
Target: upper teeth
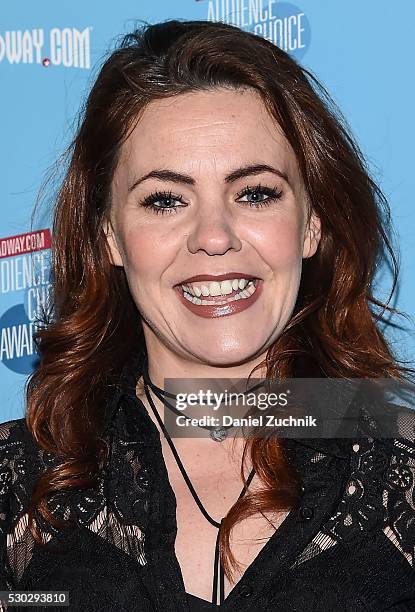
(215, 288)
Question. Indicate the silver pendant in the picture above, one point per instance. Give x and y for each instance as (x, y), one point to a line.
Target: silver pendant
(218, 434)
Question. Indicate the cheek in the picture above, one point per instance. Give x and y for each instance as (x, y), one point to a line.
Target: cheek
(147, 254)
(280, 244)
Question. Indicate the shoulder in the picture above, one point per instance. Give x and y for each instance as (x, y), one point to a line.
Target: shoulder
(383, 476)
(9, 428)
(15, 439)
(378, 494)
(399, 495)
(21, 461)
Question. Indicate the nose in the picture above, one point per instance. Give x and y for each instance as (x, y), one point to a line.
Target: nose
(214, 232)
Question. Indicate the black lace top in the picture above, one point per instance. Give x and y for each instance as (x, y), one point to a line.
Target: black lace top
(348, 547)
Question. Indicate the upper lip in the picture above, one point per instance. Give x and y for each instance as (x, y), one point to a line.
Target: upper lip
(217, 277)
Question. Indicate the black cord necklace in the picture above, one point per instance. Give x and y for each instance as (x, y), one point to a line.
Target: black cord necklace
(218, 434)
(218, 568)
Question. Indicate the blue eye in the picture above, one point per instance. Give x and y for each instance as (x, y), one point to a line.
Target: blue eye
(162, 202)
(272, 195)
(151, 202)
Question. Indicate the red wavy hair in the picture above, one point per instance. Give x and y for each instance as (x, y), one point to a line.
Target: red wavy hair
(93, 323)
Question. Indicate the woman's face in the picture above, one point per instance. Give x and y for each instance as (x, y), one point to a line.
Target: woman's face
(224, 198)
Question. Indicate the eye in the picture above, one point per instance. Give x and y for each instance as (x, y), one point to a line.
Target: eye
(166, 197)
(256, 193)
(163, 202)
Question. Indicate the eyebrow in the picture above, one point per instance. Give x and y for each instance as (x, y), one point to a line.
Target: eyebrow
(178, 177)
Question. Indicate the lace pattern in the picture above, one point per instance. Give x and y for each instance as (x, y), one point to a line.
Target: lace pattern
(378, 494)
(399, 498)
(117, 521)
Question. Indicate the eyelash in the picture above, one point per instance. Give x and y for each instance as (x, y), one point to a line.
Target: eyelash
(150, 200)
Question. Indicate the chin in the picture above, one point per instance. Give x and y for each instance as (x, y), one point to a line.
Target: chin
(226, 357)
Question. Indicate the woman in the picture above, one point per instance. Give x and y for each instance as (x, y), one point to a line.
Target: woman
(206, 165)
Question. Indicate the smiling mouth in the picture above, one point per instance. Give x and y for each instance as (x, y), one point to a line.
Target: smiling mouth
(217, 294)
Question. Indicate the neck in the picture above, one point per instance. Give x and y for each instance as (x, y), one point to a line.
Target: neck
(164, 363)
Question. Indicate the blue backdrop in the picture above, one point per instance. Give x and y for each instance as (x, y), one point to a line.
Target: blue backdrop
(50, 53)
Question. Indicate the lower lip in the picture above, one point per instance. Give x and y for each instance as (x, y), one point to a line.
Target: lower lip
(208, 311)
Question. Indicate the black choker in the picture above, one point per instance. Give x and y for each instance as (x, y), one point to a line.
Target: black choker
(218, 434)
(218, 571)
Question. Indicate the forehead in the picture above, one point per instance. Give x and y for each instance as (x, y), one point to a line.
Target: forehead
(216, 129)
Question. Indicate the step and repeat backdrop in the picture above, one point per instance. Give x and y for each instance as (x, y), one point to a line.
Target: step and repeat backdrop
(50, 52)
